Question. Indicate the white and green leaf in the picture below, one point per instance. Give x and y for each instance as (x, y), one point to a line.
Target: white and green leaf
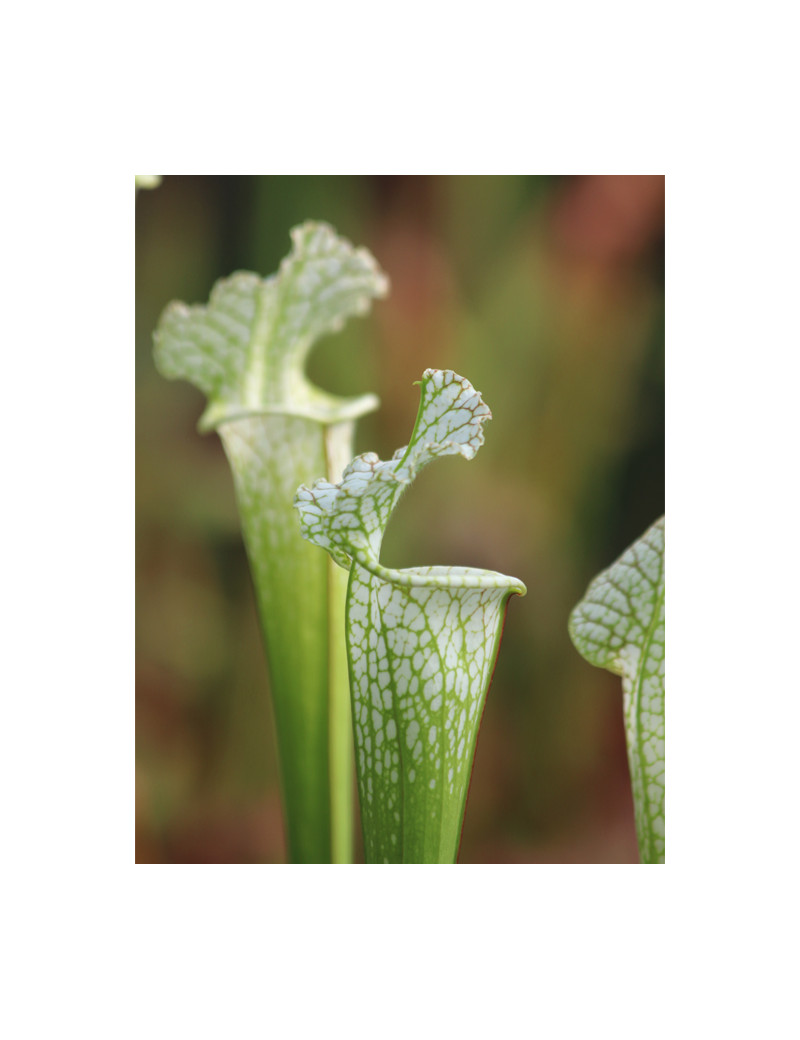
(422, 641)
(246, 350)
(619, 625)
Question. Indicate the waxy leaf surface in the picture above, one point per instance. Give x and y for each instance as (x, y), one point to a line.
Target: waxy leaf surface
(619, 625)
(422, 641)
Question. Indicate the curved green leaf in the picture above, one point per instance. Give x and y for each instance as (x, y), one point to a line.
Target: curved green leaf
(246, 350)
(619, 625)
(422, 641)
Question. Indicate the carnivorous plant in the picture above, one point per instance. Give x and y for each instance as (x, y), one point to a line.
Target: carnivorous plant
(421, 642)
(619, 625)
(246, 350)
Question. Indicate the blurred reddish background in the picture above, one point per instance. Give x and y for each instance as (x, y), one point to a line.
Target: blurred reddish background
(547, 293)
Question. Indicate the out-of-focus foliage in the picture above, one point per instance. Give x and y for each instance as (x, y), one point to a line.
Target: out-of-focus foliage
(147, 180)
(548, 292)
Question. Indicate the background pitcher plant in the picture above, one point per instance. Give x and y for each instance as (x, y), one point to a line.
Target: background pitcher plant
(619, 625)
(246, 350)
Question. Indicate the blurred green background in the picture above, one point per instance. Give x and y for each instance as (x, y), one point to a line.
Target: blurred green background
(547, 293)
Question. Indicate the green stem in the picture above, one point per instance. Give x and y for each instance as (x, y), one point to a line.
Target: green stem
(340, 725)
(338, 448)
